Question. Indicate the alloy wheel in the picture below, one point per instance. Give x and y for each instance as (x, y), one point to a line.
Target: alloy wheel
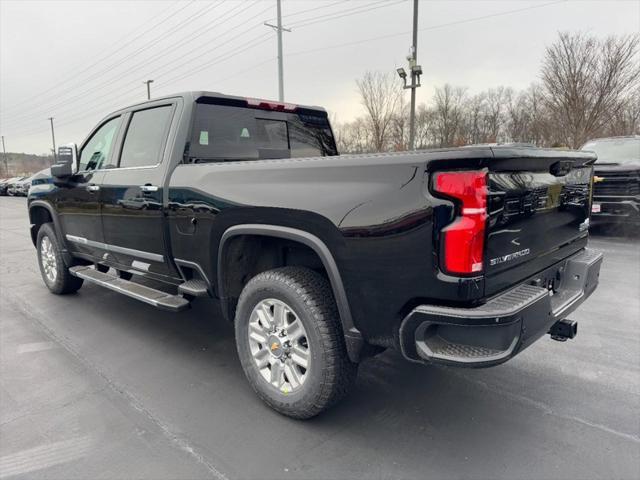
(279, 345)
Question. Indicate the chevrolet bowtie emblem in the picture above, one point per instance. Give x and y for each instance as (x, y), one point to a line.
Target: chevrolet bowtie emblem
(597, 179)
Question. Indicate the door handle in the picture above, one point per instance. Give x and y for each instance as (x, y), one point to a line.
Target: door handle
(149, 188)
(93, 188)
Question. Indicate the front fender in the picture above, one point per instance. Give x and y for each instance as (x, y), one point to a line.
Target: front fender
(36, 220)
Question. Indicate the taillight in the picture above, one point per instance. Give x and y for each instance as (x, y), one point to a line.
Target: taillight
(463, 240)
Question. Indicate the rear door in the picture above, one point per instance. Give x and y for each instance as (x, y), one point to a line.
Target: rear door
(539, 207)
(133, 216)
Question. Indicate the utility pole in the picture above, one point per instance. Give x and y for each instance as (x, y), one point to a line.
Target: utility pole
(53, 138)
(279, 28)
(148, 82)
(4, 154)
(414, 77)
(416, 71)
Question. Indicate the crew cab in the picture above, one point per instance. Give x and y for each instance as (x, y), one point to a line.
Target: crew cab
(616, 192)
(461, 257)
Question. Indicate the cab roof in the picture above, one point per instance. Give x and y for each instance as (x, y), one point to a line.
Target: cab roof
(200, 95)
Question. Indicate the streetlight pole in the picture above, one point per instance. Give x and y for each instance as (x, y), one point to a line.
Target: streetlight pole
(53, 138)
(414, 77)
(148, 82)
(4, 154)
(279, 29)
(416, 71)
(280, 66)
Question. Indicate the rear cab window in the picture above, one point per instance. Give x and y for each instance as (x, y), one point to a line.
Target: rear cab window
(238, 131)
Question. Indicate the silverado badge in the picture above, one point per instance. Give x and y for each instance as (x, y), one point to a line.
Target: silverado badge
(509, 257)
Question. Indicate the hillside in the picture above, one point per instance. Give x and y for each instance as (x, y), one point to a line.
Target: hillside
(23, 164)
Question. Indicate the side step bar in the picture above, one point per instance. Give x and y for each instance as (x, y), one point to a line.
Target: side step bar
(157, 298)
(194, 288)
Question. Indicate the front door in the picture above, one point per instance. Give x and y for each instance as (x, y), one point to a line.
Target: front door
(78, 201)
(133, 216)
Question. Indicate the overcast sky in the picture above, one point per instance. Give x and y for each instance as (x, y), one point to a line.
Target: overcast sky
(77, 61)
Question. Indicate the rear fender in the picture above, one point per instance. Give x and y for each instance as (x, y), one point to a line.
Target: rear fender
(353, 337)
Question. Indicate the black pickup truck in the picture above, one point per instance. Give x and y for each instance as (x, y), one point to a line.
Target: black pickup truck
(616, 189)
(459, 257)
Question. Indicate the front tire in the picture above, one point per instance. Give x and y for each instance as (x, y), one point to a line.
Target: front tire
(290, 342)
(54, 272)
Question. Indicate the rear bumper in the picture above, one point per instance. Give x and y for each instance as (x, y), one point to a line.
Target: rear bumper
(493, 333)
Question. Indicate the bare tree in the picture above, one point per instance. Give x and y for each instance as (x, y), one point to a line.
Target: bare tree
(399, 127)
(448, 110)
(586, 81)
(380, 94)
(473, 123)
(627, 120)
(590, 88)
(353, 137)
(497, 100)
(425, 120)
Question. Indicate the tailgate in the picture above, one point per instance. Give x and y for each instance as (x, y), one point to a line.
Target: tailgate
(538, 206)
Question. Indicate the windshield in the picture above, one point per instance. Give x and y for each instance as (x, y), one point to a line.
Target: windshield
(228, 133)
(618, 150)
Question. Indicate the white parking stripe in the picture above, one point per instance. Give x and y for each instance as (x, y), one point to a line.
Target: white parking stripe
(35, 347)
(44, 456)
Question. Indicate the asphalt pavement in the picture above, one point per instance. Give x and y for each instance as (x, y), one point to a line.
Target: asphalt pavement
(96, 385)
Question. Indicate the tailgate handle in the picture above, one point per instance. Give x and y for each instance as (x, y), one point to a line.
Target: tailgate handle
(561, 168)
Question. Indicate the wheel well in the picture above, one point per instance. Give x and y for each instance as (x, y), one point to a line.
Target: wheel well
(248, 255)
(38, 216)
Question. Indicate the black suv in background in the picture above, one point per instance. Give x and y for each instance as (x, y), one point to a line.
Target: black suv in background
(616, 190)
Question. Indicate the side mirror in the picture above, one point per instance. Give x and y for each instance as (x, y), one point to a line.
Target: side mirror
(65, 165)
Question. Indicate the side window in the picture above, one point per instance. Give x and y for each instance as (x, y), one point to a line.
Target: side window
(145, 137)
(96, 151)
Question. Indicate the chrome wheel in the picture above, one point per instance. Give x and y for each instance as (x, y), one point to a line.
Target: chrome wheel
(48, 259)
(279, 345)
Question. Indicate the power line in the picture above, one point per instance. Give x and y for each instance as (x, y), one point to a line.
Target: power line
(135, 90)
(424, 29)
(257, 40)
(76, 73)
(24, 117)
(174, 67)
(345, 13)
(109, 81)
(300, 12)
(111, 67)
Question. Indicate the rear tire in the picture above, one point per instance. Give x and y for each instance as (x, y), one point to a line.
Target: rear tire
(290, 342)
(54, 272)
